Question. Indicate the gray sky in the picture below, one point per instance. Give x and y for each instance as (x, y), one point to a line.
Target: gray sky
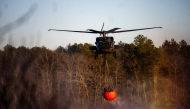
(27, 22)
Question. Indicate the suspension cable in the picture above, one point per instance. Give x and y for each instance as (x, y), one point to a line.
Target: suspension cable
(108, 80)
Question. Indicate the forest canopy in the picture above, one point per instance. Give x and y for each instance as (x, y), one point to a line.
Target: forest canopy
(142, 74)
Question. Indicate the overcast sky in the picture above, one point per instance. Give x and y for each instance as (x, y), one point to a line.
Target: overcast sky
(24, 22)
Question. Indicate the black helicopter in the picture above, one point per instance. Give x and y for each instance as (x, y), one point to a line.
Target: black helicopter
(105, 44)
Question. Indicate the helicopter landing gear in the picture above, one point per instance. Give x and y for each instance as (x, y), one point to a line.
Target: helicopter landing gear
(114, 54)
(95, 56)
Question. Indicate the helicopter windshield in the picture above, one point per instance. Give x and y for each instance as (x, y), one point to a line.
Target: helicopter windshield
(105, 44)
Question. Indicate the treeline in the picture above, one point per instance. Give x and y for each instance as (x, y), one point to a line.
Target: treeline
(142, 74)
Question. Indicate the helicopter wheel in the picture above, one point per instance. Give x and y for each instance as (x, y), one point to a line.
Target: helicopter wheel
(114, 55)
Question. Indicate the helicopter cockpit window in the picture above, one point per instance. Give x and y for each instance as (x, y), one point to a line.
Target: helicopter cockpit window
(105, 44)
(100, 38)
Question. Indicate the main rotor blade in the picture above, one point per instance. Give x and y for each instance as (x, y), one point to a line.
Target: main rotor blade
(102, 27)
(135, 29)
(112, 30)
(73, 31)
(94, 31)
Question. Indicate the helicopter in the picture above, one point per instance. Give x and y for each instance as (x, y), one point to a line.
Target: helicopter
(104, 44)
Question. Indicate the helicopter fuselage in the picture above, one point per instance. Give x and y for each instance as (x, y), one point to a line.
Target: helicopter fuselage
(104, 45)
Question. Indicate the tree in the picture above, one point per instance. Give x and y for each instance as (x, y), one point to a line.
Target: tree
(184, 49)
(171, 47)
